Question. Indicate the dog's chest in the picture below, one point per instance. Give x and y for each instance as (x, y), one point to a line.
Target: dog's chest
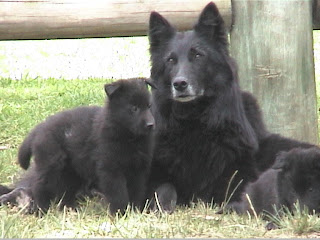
(190, 155)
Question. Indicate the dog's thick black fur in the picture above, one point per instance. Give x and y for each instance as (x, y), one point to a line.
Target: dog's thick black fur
(255, 116)
(203, 136)
(270, 144)
(105, 148)
(295, 177)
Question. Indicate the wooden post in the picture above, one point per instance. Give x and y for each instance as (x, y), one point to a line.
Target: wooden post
(272, 43)
(50, 19)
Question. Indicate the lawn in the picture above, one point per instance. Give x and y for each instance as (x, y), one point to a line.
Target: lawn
(40, 78)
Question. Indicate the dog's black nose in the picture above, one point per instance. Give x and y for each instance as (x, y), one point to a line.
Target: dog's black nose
(180, 83)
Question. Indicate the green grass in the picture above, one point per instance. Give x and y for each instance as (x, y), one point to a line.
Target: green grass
(26, 102)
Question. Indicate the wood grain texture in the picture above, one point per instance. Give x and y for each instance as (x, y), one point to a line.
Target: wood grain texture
(272, 43)
(51, 19)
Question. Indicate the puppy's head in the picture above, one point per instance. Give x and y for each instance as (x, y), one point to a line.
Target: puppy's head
(299, 177)
(129, 105)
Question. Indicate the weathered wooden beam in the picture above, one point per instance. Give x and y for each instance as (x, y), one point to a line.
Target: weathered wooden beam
(272, 43)
(52, 19)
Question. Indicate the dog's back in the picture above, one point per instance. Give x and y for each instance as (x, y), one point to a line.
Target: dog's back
(65, 133)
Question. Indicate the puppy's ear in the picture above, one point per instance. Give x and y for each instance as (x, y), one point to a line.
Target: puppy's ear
(281, 161)
(111, 88)
(160, 30)
(150, 83)
(210, 24)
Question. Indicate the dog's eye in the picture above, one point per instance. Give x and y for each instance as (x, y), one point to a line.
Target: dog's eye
(195, 53)
(198, 55)
(134, 109)
(171, 60)
(149, 106)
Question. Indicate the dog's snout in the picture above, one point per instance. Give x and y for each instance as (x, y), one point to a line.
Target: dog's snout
(149, 121)
(180, 83)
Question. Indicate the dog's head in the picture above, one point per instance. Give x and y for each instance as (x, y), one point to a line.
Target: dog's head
(190, 64)
(299, 178)
(129, 105)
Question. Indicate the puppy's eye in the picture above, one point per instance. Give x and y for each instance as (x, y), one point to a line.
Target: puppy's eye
(171, 60)
(198, 55)
(134, 109)
(149, 106)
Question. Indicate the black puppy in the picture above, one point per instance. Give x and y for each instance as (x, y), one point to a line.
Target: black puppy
(105, 148)
(295, 177)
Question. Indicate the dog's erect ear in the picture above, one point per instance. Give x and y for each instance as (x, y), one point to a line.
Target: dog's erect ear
(160, 30)
(111, 88)
(150, 83)
(210, 23)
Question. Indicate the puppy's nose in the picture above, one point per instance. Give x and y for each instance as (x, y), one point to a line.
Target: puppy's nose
(180, 83)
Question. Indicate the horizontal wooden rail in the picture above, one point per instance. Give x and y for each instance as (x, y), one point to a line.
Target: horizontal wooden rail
(52, 19)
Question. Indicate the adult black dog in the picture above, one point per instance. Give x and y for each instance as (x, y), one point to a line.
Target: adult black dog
(105, 148)
(204, 140)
